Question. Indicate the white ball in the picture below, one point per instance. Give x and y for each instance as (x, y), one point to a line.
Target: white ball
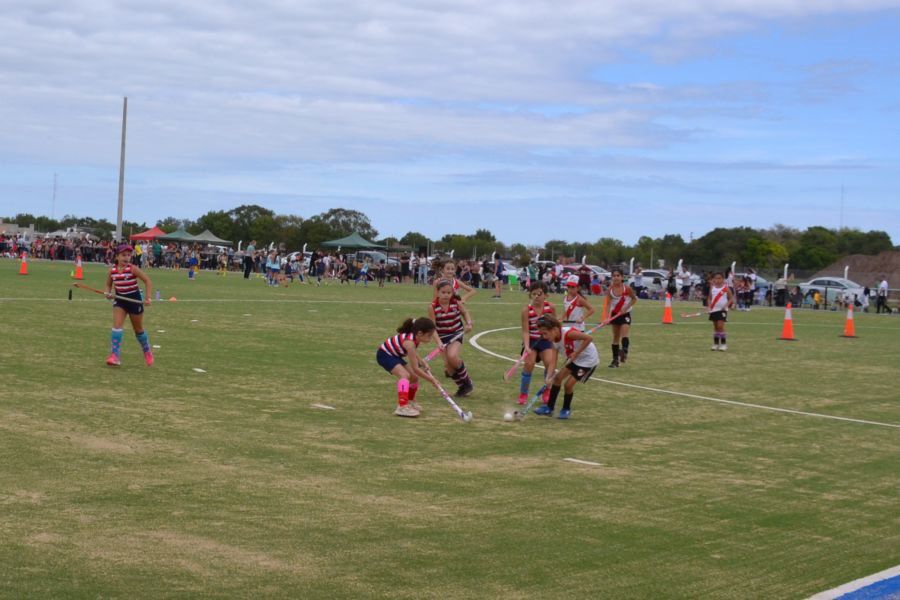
(508, 417)
(467, 417)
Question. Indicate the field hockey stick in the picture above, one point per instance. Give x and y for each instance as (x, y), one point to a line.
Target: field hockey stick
(441, 347)
(603, 323)
(102, 293)
(464, 415)
(692, 315)
(533, 400)
(515, 366)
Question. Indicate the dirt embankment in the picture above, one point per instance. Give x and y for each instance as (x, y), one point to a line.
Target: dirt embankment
(867, 270)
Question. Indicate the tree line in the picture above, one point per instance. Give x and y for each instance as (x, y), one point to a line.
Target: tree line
(809, 249)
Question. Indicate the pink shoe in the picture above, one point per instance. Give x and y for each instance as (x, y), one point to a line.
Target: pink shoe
(113, 361)
(523, 398)
(148, 358)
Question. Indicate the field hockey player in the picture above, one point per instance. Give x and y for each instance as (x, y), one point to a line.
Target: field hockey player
(576, 308)
(390, 356)
(621, 300)
(446, 269)
(534, 347)
(581, 360)
(122, 280)
(452, 320)
(720, 300)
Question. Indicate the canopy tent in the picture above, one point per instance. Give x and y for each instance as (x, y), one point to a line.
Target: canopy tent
(208, 237)
(177, 236)
(354, 240)
(150, 234)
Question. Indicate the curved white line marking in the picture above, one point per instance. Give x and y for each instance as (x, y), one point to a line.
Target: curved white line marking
(475, 338)
(583, 462)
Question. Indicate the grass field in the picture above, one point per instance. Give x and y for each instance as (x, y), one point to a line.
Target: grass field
(166, 482)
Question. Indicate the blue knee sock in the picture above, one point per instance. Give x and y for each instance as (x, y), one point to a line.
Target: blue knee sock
(525, 383)
(116, 338)
(143, 340)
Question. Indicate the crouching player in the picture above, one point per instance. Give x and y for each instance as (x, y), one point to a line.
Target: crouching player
(581, 360)
(390, 356)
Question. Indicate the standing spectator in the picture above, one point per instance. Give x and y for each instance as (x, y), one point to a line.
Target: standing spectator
(637, 280)
(863, 302)
(476, 274)
(248, 258)
(414, 267)
(404, 267)
(498, 277)
(423, 268)
(881, 299)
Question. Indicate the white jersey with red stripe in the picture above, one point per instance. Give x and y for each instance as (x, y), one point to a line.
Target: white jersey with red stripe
(573, 315)
(533, 315)
(620, 304)
(394, 344)
(588, 358)
(123, 279)
(718, 298)
(448, 320)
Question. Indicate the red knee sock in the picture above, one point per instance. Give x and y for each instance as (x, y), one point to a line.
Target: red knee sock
(413, 388)
(403, 392)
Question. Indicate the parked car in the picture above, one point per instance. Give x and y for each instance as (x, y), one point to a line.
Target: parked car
(602, 273)
(358, 258)
(832, 288)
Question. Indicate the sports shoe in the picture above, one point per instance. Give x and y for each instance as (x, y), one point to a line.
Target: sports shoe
(564, 413)
(415, 405)
(714, 347)
(614, 364)
(544, 411)
(406, 410)
(523, 398)
(148, 358)
(723, 347)
(113, 361)
(465, 389)
(623, 356)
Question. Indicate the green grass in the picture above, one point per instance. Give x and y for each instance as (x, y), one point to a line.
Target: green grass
(165, 482)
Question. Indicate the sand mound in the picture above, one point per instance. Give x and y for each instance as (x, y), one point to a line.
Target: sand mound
(867, 270)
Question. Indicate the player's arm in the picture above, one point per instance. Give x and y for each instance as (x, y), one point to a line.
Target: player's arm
(109, 285)
(148, 285)
(470, 291)
(416, 363)
(588, 309)
(526, 335)
(467, 317)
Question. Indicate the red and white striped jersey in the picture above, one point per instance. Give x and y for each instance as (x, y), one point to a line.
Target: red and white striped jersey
(718, 298)
(533, 316)
(447, 320)
(123, 279)
(394, 344)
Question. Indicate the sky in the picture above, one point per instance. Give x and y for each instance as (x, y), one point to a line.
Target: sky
(536, 120)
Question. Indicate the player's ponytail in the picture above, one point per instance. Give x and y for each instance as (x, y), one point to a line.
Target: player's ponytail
(417, 325)
(548, 322)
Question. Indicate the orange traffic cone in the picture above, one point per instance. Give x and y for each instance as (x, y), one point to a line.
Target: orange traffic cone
(787, 331)
(79, 271)
(849, 327)
(667, 311)
(23, 266)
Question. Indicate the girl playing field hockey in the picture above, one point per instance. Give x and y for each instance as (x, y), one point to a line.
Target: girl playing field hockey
(537, 348)
(581, 360)
(446, 269)
(720, 300)
(390, 356)
(122, 280)
(452, 320)
(621, 300)
(576, 308)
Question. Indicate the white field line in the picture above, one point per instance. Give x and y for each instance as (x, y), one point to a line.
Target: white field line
(583, 462)
(322, 406)
(856, 585)
(474, 342)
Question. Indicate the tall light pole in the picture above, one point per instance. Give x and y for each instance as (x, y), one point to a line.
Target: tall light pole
(122, 173)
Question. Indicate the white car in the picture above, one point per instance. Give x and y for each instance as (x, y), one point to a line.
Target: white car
(832, 288)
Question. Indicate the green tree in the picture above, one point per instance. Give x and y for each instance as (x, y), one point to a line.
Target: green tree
(243, 219)
(170, 224)
(217, 221)
(343, 222)
(415, 240)
(818, 249)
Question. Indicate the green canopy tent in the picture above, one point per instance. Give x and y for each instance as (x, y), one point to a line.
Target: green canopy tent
(354, 240)
(177, 236)
(208, 237)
